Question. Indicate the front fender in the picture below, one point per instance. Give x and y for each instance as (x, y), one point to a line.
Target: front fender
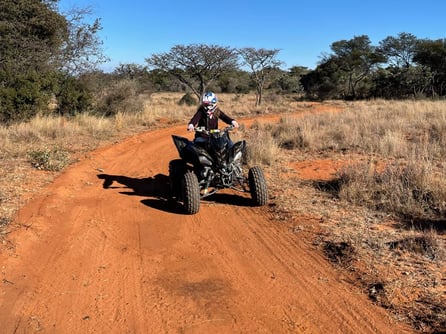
(180, 143)
(238, 150)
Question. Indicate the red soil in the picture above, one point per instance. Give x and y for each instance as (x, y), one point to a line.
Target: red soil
(101, 250)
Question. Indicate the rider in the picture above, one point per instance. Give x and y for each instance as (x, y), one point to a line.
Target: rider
(207, 116)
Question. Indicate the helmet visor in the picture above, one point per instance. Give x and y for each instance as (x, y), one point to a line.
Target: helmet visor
(209, 106)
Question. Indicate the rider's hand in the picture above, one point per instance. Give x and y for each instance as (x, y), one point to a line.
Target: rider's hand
(190, 127)
(234, 124)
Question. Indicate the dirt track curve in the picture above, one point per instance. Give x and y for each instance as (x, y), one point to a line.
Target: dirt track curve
(101, 250)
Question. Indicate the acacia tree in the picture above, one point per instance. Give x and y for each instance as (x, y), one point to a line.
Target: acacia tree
(402, 77)
(431, 54)
(356, 58)
(262, 63)
(323, 82)
(399, 50)
(195, 65)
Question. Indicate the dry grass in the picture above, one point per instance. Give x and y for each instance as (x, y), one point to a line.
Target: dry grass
(50, 143)
(381, 219)
(383, 215)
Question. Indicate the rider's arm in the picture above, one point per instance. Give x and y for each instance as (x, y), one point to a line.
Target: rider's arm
(195, 119)
(228, 120)
(225, 118)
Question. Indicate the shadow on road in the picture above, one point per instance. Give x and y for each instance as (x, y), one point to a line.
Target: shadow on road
(157, 188)
(230, 199)
(149, 186)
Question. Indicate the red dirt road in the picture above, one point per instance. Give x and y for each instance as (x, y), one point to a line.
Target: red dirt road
(101, 250)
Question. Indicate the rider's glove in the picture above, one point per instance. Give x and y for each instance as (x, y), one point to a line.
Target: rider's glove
(234, 124)
(190, 127)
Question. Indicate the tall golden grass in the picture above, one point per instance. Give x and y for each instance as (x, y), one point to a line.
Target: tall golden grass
(384, 213)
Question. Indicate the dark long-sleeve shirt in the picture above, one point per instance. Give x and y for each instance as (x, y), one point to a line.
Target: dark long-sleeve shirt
(202, 119)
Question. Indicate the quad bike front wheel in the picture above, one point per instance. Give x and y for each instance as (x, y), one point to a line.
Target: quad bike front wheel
(190, 191)
(257, 186)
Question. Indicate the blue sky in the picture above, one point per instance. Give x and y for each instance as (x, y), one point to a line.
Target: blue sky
(301, 30)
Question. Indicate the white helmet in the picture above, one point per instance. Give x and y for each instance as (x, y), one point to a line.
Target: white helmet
(209, 101)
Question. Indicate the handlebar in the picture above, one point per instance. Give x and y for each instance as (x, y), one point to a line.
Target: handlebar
(202, 129)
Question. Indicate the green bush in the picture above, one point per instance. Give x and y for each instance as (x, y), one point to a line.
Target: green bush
(54, 159)
(73, 97)
(23, 96)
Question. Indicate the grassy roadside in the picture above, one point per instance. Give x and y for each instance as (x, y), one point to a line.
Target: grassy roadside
(380, 216)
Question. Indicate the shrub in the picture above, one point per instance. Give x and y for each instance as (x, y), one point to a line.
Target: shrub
(289, 135)
(73, 96)
(23, 96)
(188, 100)
(409, 191)
(262, 147)
(54, 159)
(122, 96)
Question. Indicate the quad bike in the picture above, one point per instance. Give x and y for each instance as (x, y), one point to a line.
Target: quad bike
(217, 164)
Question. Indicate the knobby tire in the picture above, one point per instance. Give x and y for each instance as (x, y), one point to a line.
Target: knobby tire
(191, 192)
(257, 186)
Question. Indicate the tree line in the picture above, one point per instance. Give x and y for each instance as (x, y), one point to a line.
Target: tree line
(49, 63)
(399, 67)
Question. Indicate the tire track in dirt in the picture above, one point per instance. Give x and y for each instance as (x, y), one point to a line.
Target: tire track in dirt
(282, 275)
(102, 250)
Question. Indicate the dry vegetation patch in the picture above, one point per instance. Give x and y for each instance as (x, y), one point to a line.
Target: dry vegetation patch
(372, 176)
(365, 185)
(33, 153)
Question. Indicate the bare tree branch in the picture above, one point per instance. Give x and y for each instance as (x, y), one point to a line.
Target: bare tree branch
(195, 65)
(261, 63)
